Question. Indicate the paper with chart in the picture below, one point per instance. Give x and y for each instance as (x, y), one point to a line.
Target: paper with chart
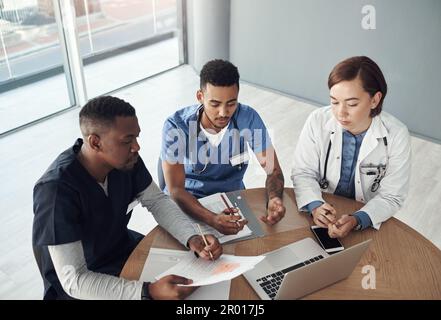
(159, 260)
(206, 272)
(215, 204)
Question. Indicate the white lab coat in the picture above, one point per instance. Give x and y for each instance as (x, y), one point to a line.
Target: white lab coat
(310, 155)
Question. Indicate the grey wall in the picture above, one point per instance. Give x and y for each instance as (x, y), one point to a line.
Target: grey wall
(208, 31)
(292, 45)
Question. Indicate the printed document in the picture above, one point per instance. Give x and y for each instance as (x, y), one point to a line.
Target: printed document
(206, 272)
(159, 260)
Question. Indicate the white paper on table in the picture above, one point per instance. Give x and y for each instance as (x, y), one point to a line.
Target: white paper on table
(206, 272)
(159, 260)
(215, 204)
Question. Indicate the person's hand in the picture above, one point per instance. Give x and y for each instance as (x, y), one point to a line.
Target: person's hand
(342, 226)
(275, 212)
(167, 288)
(324, 215)
(197, 244)
(227, 223)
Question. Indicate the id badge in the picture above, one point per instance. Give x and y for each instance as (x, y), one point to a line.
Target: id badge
(239, 158)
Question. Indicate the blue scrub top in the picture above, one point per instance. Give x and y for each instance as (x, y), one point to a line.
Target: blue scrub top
(183, 143)
(69, 205)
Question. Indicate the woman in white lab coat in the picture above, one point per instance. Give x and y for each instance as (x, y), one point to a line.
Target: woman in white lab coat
(354, 149)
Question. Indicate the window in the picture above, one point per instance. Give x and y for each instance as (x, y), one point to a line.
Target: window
(116, 42)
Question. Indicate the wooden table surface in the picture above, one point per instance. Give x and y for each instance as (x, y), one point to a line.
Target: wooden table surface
(407, 265)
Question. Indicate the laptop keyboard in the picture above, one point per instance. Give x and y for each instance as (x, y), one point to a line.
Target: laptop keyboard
(271, 283)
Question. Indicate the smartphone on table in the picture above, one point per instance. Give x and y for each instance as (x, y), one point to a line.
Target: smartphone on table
(330, 245)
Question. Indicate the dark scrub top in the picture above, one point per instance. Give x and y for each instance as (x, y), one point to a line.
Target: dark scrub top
(69, 205)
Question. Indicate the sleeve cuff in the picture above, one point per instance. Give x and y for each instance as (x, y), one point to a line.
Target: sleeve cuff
(363, 219)
(187, 244)
(312, 205)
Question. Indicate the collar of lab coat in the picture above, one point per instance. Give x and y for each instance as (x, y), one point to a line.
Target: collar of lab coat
(376, 131)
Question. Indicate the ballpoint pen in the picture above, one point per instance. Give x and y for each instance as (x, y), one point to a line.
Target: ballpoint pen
(205, 241)
(226, 204)
(230, 210)
(328, 212)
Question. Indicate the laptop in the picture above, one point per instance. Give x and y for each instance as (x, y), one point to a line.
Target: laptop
(300, 268)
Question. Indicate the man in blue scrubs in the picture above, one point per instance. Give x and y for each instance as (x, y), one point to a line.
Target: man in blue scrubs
(83, 203)
(205, 149)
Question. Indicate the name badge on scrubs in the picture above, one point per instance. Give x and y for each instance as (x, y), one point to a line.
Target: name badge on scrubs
(132, 205)
(239, 158)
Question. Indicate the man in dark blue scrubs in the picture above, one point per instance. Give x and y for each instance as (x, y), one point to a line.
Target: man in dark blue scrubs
(83, 203)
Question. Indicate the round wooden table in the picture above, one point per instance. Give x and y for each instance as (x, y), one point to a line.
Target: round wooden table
(407, 265)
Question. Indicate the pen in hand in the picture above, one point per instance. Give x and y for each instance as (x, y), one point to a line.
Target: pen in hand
(226, 204)
(236, 206)
(205, 241)
(230, 210)
(327, 213)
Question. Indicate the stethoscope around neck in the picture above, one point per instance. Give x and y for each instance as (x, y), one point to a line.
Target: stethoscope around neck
(381, 169)
(199, 113)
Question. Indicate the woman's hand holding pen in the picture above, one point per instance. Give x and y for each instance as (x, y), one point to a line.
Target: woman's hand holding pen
(197, 244)
(228, 222)
(324, 215)
(342, 227)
